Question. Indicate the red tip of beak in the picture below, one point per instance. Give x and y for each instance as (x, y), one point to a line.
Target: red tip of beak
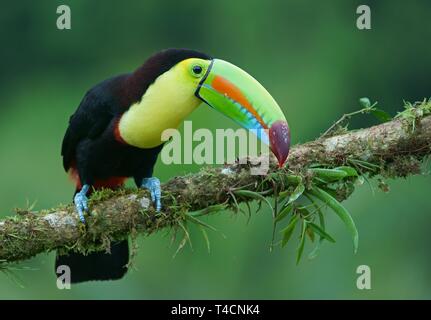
(279, 137)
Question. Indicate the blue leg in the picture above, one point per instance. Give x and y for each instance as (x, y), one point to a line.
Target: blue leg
(153, 184)
(81, 202)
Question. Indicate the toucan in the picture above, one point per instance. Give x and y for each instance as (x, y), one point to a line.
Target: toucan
(115, 133)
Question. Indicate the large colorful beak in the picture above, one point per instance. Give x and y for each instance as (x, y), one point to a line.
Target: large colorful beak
(236, 94)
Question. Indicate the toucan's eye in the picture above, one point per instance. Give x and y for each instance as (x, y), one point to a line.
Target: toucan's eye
(197, 70)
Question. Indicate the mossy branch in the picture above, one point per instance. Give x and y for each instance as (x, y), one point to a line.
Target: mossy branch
(392, 149)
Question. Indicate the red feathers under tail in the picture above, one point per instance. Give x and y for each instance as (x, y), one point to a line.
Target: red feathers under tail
(110, 183)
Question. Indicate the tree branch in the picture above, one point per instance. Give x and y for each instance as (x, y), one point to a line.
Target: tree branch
(392, 149)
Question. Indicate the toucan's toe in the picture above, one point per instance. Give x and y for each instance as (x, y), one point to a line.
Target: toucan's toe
(153, 185)
(81, 202)
(81, 205)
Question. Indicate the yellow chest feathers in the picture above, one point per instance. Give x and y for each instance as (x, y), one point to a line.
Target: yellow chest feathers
(165, 104)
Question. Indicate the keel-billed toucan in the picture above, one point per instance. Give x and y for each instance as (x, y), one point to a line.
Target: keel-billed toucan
(116, 132)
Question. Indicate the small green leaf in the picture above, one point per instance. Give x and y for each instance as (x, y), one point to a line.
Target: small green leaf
(350, 171)
(283, 213)
(310, 234)
(365, 102)
(287, 232)
(381, 115)
(320, 232)
(248, 194)
(340, 211)
(253, 195)
(292, 180)
(331, 192)
(320, 181)
(300, 248)
(329, 175)
(321, 217)
(316, 249)
(300, 188)
(305, 213)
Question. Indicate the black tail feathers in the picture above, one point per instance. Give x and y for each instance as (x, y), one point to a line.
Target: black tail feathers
(97, 265)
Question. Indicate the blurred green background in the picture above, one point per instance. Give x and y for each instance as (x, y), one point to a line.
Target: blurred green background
(312, 59)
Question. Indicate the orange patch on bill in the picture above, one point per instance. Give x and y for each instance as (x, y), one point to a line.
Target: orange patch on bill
(225, 87)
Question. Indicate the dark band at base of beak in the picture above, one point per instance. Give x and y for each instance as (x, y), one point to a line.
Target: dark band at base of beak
(279, 137)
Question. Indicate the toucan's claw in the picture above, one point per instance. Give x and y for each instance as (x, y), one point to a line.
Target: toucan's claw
(153, 185)
(81, 202)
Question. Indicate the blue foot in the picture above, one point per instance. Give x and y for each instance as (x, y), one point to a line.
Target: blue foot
(81, 202)
(153, 184)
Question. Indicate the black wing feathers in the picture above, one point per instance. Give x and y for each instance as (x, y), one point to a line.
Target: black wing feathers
(98, 108)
